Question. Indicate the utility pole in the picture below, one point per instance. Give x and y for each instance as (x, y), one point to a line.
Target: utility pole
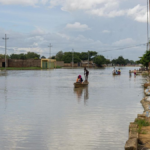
(5, 49)
(72, 58)
(50, 53)
(147, 26)
(88, 59)
(148, 4)
(50, 50)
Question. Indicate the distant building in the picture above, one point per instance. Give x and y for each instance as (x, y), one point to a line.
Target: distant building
(87, 63)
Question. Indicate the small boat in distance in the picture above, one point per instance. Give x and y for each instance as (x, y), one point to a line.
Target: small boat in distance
(116, 74)
(78, 85)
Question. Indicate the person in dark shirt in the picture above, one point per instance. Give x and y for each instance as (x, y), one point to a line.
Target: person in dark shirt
(86, 73)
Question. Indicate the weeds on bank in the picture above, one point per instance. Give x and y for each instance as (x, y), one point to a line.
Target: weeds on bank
(144, 74)
(141, 123)
(58, 67)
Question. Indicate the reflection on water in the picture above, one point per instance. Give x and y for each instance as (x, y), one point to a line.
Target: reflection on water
(5, 91)
(82, 92)
(40, 110)
(3, 73)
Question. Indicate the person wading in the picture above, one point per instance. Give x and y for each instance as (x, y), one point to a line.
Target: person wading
(86, 73)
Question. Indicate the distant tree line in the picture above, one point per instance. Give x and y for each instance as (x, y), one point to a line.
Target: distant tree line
(99, 60)
(121, 61)
(93, 55)
(29, 55)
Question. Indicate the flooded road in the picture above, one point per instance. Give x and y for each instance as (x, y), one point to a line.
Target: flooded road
(41, 110)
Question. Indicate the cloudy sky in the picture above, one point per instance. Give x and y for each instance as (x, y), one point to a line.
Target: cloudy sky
(108, 27)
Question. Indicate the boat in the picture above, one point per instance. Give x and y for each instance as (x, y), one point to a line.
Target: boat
(116, 74)
(78, 85)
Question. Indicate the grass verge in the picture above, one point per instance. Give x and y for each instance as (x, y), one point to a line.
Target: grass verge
(58, 67)
(141, 123)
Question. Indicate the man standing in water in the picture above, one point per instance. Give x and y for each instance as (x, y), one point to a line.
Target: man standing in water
(86, 73)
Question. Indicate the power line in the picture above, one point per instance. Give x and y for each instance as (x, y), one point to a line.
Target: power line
(121, 48)
(124, 48)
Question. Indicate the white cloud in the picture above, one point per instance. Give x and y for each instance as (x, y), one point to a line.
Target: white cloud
(19, 2)
(123, 42)
(22, 43)
(38, 41)
(38, 31)
(70, 5)
(109, 8)
(44, 1)
(63, 36)
(77, 26)
(138, 13)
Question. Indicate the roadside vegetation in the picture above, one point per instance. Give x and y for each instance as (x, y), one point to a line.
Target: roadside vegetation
(144, 60)
(57, 67)
(141, 123)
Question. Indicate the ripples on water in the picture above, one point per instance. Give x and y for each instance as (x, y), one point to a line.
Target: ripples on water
(41, 110)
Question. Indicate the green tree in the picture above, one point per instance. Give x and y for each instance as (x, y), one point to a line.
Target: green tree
(67, 58)
(32, 55)
(132, 62)
(114, 61)
(43, 57)
(53, 57)
(99, 60)
(145, 59)
(22, 56)
(59, 56)
(107, 61)
(127, 61)
(14, 56)
(120, 60)
(3, 56)
(84, 56)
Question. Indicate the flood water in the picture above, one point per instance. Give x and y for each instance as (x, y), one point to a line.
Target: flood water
(41, 110)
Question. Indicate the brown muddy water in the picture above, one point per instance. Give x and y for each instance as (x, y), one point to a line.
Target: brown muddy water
(41, 110)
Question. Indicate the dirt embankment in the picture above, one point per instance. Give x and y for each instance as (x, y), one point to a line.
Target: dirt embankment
(139, 130)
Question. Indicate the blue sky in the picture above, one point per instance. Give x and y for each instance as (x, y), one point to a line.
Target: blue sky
(83, 25)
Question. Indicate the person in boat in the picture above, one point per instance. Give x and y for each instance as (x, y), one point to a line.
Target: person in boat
(79, 79)
(119, 71)
(86, 73)
(116, 72)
